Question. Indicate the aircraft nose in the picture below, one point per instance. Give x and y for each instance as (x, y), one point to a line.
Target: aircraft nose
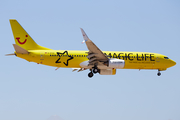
(173, 63)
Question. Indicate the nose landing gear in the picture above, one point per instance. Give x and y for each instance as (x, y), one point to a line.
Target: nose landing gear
(159, 74)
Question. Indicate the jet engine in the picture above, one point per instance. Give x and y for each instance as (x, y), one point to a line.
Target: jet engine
(116, 63)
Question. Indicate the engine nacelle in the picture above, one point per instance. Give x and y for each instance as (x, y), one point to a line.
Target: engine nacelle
(107, 71)
(116, 63)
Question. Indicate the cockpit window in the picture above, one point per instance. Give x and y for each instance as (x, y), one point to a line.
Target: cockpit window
(166, 57)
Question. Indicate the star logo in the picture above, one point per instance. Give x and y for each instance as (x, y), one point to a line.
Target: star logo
(61, 54)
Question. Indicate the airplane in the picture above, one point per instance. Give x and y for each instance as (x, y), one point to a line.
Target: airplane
(97, 61)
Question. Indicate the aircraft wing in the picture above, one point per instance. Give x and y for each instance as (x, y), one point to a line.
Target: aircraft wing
(95, 54)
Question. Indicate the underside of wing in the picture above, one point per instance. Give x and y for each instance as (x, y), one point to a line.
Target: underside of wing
(98, 62)
(95, 55)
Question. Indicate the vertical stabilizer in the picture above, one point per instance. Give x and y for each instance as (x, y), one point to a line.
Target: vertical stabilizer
(22, 38)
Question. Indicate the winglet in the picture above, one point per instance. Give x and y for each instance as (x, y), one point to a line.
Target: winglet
(85, 37)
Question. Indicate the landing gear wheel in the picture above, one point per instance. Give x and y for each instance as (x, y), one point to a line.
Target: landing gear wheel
(159, 74)
(90, 75)
(95, 70)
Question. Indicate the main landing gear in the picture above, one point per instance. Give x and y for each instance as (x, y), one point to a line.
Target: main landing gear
(94, 70)
(159, 74)
(90, 75)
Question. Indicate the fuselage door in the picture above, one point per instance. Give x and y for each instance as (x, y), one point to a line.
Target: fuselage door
(41, 56)
(157, 58)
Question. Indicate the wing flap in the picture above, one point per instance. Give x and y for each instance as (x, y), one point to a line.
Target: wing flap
(78, 69)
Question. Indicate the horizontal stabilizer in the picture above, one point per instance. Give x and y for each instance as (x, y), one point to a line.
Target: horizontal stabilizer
(19, 49)
(10, 54)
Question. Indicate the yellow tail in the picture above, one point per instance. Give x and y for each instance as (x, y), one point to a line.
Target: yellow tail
(22, 38)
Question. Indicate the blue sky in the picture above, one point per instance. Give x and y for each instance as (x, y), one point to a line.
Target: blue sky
(35, 92)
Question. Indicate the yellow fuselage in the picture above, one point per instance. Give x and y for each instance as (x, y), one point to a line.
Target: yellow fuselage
(72, 59)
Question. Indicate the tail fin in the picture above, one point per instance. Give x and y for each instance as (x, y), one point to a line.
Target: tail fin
(22, 38)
